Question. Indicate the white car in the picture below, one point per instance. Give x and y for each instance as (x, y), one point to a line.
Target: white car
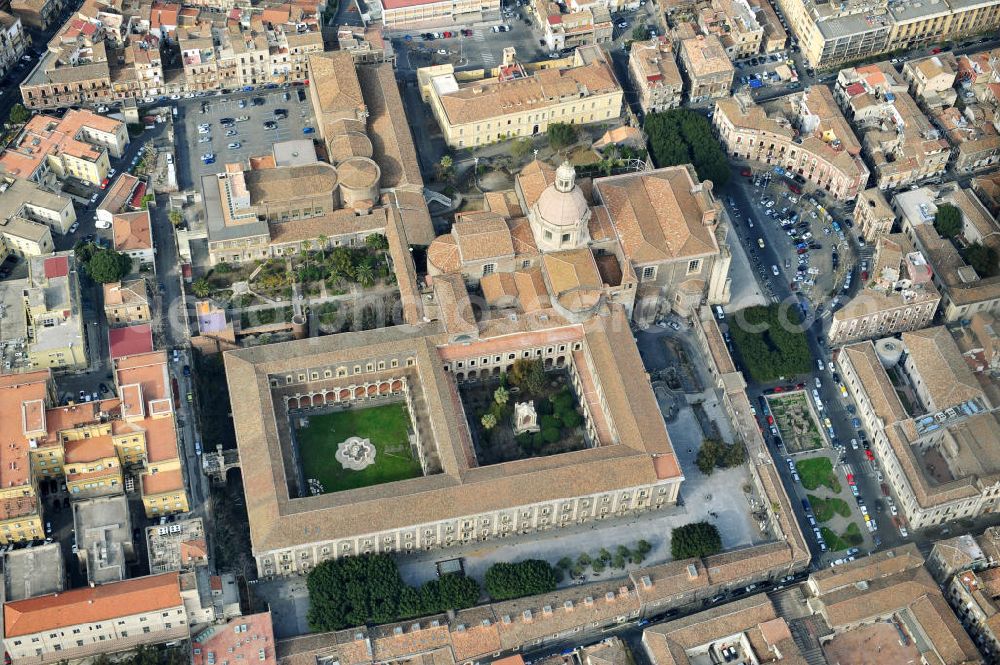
(893, 510)
(101, 224)
(442, 51)
(203, 130)
(775, 271)
(93, 199)
(819, 384)
(205, 139)
(175, 97)
(208, 155)
(903, 532)
(233, 146)
(74, 227)
(232, 132)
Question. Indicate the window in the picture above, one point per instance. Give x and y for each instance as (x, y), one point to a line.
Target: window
(694, 266)
(649, 272)
(489, 268)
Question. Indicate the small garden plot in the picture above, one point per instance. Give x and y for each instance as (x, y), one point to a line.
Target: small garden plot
(825, 509)
(795, 422)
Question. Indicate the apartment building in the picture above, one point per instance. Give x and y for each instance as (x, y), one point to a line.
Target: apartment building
(803, 133)
(127, 303)
(775, 36)
(50, 149)
(13, 42)
(132, 235)
(23, 238)
(873, 215)
(707, 67)
(653, 72)
(91, 621)
(735, 23)
(519, 103)
(899, 141)
(834, 33)
(939, 451)
(987, 189)
(53, 323)
(963, 291)
(898, 294)
(400, 14)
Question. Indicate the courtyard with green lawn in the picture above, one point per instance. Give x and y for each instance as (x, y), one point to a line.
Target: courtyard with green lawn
(386, 427)
(817, 471)
(825, 509)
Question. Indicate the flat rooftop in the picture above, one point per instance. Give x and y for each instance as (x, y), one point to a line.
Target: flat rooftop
(33, 572)
(104, 537)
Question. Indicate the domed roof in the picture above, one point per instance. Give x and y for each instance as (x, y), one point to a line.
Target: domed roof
(562, 203)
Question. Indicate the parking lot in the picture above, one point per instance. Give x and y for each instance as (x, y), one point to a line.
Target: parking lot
(808, 235)
(249, 137)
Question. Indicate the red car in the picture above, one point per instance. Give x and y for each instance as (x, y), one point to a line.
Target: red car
(850, 479)
(795, 188)
(864, 275)
(746, 173)
(935, 51)
(770, 419)
(447, 35)
(870, 455)
(800, 386)
(779, 389)
(104, 183)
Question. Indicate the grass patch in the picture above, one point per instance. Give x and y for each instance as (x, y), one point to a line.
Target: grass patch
(795, 422)
(825, 509)
(836, 543)
(817, 471)
(386, 427)
(771, 342)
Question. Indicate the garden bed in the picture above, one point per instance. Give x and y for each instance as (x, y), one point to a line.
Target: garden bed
(817, 471)
(795, 422)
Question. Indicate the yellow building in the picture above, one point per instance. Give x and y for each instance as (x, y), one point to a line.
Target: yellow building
(126, 303)
(517, 103)
(163, 493)
(833, 33)
(403, 13)
(91, 466)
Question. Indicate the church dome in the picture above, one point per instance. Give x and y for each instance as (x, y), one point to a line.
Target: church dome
(562, 203)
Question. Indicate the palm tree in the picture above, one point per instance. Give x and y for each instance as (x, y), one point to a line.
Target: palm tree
(365, 275)
(201, 288)
(323, 240)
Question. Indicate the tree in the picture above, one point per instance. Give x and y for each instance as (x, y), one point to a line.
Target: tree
(618, 561)
(771, 342)
(18, 114)
(561, 135)
(598, 566)
(531, 577)
(521, 148)
(324, 241)
(695, 540)
(201, 288)
(501, 395)
(948, 220)
(107, 265)
(565, 563)
(489, 421)
(604, 555)
(175, 217)
(377, 241)
(368, 589)
(584, 560)
(364, 274)
(446, 168)
(640, 33)
(643, 547)
(528, 374)
(681, 136)
(983, 259)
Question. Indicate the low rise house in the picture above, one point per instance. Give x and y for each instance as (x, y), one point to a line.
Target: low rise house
(590, 24)
(25, 200)
(132, 235)
(932, 79)
(653, 72)
(247, 638)
(37, 14)
(953, 555)
(127, 303)
(177, 546)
